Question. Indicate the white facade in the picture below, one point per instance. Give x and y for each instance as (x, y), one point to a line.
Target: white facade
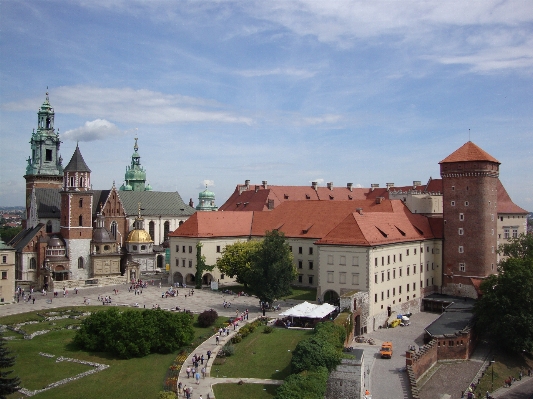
(78, 251)
(306, 260)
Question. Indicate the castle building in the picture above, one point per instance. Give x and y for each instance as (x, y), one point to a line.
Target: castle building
(7, 272)
(74, 233)
(206, 201)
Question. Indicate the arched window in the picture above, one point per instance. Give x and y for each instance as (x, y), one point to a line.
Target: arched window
(71, 181)
(166, 229)
(49, 226)
(151, 229)
(80, 221)
(114, 229)
(81, 181)
(80, 263)
(33, 264)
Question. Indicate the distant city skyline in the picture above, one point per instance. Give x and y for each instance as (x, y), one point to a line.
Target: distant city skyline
(285, 91)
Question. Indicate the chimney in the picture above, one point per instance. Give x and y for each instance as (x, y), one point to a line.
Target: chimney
(265, 184)
(191, 204)
(416, 183)
(256, 188)
(379, 200)
(373, 186)
(330, 185)
(359, 210)
(247, 184)
(314, 185)
(389, 186)
(349, 186)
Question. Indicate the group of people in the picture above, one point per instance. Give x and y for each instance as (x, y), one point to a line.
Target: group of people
(106, 300)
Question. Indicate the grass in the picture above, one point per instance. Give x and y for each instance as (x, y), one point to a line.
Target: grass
(262, 355)
(236, 391)
(505, 365)
(132, 378)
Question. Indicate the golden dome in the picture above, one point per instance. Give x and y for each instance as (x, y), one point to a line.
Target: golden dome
(139, 236)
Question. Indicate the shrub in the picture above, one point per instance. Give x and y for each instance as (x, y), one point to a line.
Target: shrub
(244, 332)
(236, 338)
(268, 329)
(227, 350)
(207, 318)
(166, 395)
(308, 385)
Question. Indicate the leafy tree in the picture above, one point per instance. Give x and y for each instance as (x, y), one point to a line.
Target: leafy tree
(237, 258)
(505, 310)
(8, 385)
(306, 385)
(7, 233)
(201, 266)
(271, 269)
(207, 318)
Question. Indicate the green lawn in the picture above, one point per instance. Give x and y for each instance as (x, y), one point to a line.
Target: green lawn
(245, 391)
(299, 293)
(133, 378)
(262, 355)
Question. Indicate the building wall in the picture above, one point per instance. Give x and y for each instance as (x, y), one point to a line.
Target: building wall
(159, 225)
(75, 249)
(423, 203)
(347, 380)
(509, 227)
(470, 224)
(306, 261)
(7, 275)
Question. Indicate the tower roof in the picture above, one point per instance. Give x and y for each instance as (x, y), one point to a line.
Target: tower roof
(469, 152)
(77, 163)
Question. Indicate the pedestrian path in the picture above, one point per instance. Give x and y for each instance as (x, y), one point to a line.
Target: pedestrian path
(504, 391)
(204, 386)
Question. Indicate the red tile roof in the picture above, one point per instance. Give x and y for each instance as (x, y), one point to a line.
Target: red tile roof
(469, 152)
(505, 203)
(216, 224)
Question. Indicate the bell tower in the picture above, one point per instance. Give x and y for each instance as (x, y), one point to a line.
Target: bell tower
(44, 169)
(76, 215)
(135, 177)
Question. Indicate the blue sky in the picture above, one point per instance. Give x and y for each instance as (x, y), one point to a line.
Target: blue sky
(285, 91)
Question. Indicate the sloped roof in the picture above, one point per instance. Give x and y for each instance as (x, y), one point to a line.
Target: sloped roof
(505, 203)
(154, 203)
(311, 219)
(310, 310)
(48, 203)
(376, 228)
(5, 247)
(24, 237)
(99, 197)
(469, 152)
(77, 163)
(434, 186)
(216, 224)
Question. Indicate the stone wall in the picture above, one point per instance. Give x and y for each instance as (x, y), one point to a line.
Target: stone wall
(346, 381)
(456, 346)
(418, 363)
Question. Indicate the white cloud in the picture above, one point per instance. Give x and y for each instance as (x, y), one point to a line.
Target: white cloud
(134, 106)
(317, 120)
(294, 72)
(206, 183)
(319, 181)
(99, 129)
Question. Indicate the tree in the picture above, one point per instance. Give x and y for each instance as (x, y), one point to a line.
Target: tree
(8, 385)
(237, 258)
(505, 310)
(271, 270)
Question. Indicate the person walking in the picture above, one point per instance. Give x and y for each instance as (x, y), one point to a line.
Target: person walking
(197, 376)
(188, 370)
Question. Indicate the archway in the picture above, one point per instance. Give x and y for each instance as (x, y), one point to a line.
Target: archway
(207, 278)
(177, 277)
(331, 297)
(189, 279)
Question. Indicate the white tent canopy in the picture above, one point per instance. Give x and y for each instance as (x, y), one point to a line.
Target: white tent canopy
(309, 310)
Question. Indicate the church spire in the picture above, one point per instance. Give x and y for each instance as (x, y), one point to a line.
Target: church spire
(135, 176)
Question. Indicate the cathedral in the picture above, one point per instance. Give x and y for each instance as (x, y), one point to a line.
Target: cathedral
(73, 233)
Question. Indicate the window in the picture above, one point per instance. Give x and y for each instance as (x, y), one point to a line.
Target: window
(388, 294)
(222, 276)
(310, 280)
(300, 278)
(342, 278)
(394, 292)
(310, 265)
(515, 233)
(106, 247)
(393, 273)
(330, 277)
(414, 286)
(80, 220)
(400, 257)
(453, 203)
(461, 217)
(421, 250)
(151, 230)
(414, 251)
(355, 261)
(355, 279)
(506, 233)
(466, 203)
(414, 269)
(48, 155)
(49, 226)
(453, 188)
(408, 289)
(382, 261)
(407, 252)
(400, 271)
(134, 247)
(218, 248)
(394, 258)
(492, 217)
(4, 275)
(4, 258)
(382, 295)
(114, 229)
(190, 249)
(388, 259)
(330, 259)
(388, 275)
(382, 276)
(501, 219)
(300, 264)
(183, 248)
(71, 181)
(376, 262)
(190, 263)
(375, 278)
(408, 270)
(143, 247)
(343, 260)
(80, 203)
(462, 267)
(166, 230)
(183, 262)
(493, 249)
(399, 289)
(300, 251)
(177, 248)
(461, 249)
(376, 298)
(290, 248)
(461, 231)
(310, 250)
(80, 263)
(177, 262)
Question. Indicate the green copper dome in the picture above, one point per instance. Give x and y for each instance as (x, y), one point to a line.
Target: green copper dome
(206, 201)
(135, 174)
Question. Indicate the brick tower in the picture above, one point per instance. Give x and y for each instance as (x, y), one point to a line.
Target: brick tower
(76, 215)
(469, 179)
(44, 169)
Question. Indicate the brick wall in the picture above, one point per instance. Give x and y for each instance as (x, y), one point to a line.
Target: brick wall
(418, 363)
